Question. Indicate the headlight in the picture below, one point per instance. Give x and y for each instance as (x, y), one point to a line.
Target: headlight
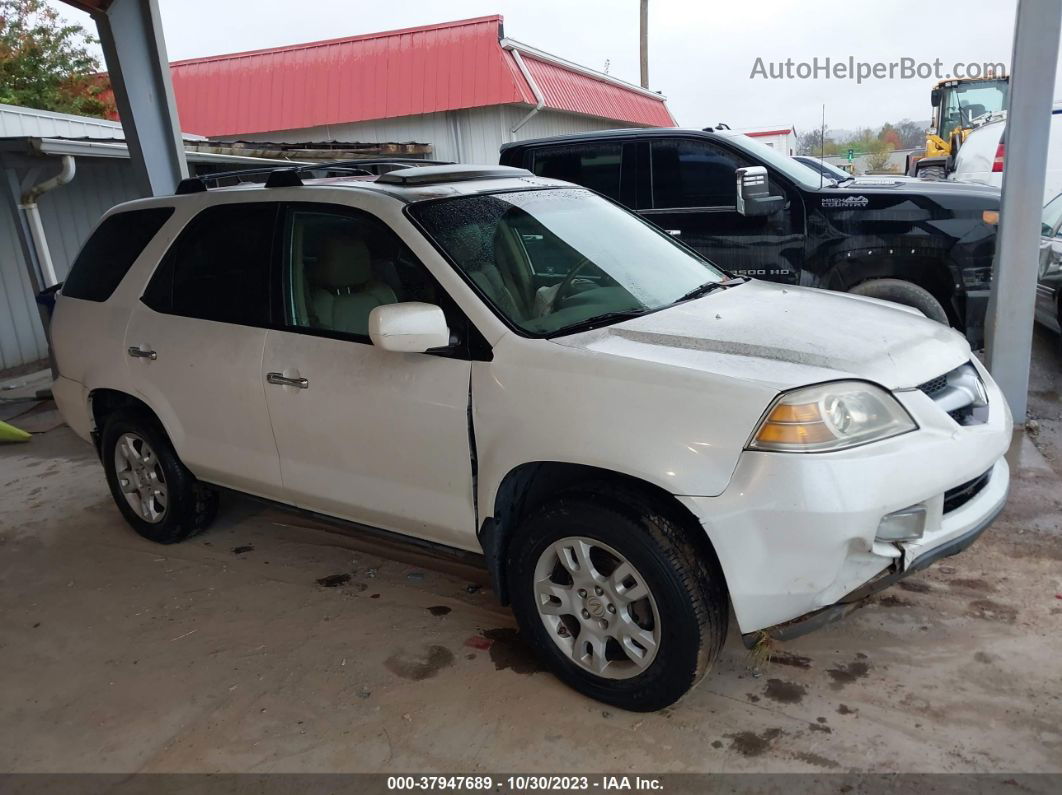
(831, 416)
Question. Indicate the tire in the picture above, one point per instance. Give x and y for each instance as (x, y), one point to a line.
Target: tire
(171, 505)
(902, 292)
(684, 613)
(932, 172)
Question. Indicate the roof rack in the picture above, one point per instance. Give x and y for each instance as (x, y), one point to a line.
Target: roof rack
(290, 176)
(449, 173)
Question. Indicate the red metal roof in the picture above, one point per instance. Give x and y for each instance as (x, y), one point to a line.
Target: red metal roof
(384, 75)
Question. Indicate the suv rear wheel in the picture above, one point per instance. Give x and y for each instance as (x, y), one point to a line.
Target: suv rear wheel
(616, 600)
(154, 491)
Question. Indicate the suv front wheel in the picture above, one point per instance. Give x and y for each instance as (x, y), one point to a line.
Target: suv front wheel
(154, 491)
(617, 601)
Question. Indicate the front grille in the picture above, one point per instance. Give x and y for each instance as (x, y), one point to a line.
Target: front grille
(960, 393)
(960, 495)
(935, 386)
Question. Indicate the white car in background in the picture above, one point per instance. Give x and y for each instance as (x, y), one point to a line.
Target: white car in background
(511, 366)
(983, 154)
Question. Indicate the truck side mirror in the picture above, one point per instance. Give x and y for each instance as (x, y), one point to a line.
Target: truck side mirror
(934, 97)
(753, 195)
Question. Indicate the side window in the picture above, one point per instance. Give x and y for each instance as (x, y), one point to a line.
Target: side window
(340, 265)
(218, 268)
(111, 251)
(594, 166)
(1051, 218)
(693, 174)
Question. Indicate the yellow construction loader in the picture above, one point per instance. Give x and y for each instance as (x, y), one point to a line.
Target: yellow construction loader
(956, 104)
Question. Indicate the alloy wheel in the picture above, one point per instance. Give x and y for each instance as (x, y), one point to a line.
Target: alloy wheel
(597, 607)
(140, 477)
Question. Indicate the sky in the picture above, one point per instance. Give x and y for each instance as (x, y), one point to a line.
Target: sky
(702, 54)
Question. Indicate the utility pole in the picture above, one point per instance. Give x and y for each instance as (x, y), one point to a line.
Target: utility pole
(644, 36)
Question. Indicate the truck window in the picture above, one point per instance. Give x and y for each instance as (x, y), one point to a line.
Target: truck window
(594, 166)
(693, 174)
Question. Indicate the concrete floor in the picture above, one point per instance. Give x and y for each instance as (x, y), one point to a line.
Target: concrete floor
(225, 654)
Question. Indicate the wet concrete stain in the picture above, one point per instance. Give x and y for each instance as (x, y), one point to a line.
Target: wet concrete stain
(988, 610)
(716, 744)
(752, 744)
(245, 548)
(816, 760)
(818, 727)
(892, 600)
(752, 697)
(334, 580)
(844, 709)
(793, 660)
(846, 674)
(785, 692)
(915, 586)
(439, 610)
(983, 657)
(972, 584)
(418, 667)
(508, 650)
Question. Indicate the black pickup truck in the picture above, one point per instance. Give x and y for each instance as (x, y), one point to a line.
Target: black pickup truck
(757, 212)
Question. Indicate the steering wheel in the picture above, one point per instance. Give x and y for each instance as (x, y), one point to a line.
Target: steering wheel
(566, 282)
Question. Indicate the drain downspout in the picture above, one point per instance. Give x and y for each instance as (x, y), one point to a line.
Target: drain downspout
(540, 99)
(28, 205)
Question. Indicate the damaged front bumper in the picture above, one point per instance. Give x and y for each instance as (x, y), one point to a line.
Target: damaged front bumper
(861, 595)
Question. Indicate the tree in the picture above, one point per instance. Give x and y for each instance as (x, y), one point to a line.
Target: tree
(912, 134)
(47, 64)
(878, 159)
(811, 142)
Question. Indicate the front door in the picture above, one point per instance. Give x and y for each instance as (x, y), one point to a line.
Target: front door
(194, 346)
(693, 196)
(364, 434)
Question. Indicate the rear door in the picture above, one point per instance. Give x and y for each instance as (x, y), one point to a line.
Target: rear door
(364, 434)
(194, 346)
(693, 196)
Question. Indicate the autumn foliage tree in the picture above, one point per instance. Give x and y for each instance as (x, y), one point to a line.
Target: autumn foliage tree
(48, 64)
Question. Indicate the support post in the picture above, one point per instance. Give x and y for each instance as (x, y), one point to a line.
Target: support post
(643, 42)
(135, 51)
(1011, 305)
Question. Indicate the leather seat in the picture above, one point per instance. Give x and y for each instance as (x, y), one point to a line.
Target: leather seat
(343, 288)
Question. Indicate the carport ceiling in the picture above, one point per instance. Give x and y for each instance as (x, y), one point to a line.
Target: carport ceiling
(89, 5)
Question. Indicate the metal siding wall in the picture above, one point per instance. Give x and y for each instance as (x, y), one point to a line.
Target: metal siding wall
(69, 213)
(21, 335)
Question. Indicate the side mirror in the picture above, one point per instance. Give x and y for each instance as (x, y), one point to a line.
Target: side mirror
(934, 97)
(753, 195)
(410, 327)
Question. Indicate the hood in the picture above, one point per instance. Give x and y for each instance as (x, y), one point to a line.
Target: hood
(928, 187)
(787, 337)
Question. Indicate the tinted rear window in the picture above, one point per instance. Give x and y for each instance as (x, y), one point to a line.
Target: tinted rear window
(595, 166)
(218, 268)
(111, 251)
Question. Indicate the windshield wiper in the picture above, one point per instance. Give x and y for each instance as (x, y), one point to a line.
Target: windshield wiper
(599, 320)
(708, 287)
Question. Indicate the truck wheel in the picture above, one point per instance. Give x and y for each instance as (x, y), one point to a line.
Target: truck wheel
(907, 293)
(932, 172)
(154, 491)
(616, 600)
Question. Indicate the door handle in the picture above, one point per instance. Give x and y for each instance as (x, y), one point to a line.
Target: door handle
(140, 353)
(281, 380)
(674, 232)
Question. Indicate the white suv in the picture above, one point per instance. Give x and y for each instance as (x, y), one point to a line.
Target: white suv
(519, 368)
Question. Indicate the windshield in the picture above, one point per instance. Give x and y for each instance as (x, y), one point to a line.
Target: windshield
(772, 158)
(551, 261)
(828, 169)
(965, 102)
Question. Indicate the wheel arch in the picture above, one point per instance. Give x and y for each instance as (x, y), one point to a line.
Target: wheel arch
(930, 273)
(532, 484)
(103, 402)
